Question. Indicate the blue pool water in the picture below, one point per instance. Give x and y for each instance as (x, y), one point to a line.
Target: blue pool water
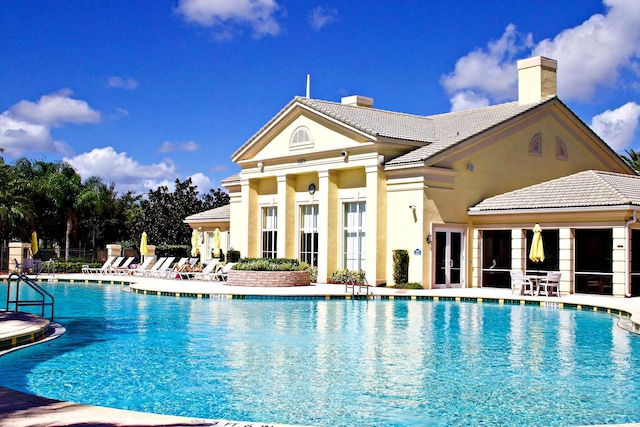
(334, 363)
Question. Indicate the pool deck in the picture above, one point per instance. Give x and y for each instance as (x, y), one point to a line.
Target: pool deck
(21, 410)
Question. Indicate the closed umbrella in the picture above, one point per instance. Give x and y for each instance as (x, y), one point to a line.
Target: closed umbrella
(143, 245)
(216, 243)
(194, 242)
(536, 254)
(34, 243)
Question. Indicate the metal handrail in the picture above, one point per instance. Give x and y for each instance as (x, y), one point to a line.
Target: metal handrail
(17, 302)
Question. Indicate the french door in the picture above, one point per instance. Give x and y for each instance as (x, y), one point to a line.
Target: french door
(449, 249)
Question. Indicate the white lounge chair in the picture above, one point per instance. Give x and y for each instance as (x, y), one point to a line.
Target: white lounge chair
(163, 270)
(206, 273)
(113, 268)
(103, 269)
(124, 268)
(141, 268)
(156, 265)
(223, 272)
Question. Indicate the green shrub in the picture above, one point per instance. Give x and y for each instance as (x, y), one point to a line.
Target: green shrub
(270, 264)
(400, 266)
(178, 251)
(342, 276)
(410, 285)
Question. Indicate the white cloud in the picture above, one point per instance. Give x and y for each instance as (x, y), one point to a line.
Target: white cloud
(119, 82)
(126, 172)
(489, 73)
(321, 16)
(203, 182)
(617, 127)
(169, 146)
(54, 110)
(595, 53)
(226, 15)
(26, 126)
(466, 99)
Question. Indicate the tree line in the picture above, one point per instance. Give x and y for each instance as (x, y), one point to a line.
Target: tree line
(52, 199)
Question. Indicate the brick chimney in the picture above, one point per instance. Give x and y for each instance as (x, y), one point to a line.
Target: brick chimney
(536, 79)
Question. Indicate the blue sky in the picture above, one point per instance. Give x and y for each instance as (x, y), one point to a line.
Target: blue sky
(143, 92)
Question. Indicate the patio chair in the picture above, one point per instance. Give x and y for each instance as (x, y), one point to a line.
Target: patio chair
(520, 283)
(222, 274)
(103, 269)
(124, 268)
(206, 273)
(163, 270)
(147, 266)
(550, 284)
(113, 268)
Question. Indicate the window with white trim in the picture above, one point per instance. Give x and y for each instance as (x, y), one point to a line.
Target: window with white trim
(308, 250)
(354, 235)
(301, 138)
(269, 232)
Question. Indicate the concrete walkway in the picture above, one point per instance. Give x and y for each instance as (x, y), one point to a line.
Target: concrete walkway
(21, 410)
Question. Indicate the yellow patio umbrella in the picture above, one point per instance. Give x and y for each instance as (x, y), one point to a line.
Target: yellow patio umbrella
(34, 243)
(143, 245)
(194, 242)
(216, 243)
(536, 254)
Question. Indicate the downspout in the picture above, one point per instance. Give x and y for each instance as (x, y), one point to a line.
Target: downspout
(627, 236)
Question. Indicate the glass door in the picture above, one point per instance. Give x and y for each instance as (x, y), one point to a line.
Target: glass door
(449, 258)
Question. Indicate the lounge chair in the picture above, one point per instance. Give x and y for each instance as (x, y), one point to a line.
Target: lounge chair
(181, 263)
(550, 284)
(223, 272)
(163, 270)
(520, 283)
(141, 267)
(156, 265)
(124, 268)
(206, 273)
(103, 269)
(113, 268)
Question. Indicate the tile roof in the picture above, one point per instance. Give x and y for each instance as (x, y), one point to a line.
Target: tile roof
(452, 128)
(580, 190)
(438, 132)
(222, 213)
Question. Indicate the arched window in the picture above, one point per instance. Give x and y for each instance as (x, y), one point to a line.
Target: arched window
(535, 146)
(301, 138)
(561, 150)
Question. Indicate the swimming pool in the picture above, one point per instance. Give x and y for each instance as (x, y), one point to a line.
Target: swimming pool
(333, 362)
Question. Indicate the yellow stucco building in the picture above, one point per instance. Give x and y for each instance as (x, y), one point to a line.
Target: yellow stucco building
(342, 185)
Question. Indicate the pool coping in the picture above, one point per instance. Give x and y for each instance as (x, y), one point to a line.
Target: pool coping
(22, 409)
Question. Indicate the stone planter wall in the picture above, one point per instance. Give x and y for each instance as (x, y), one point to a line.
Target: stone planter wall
(268, 278)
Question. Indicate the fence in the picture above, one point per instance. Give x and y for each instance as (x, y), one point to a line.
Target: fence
(46, 254)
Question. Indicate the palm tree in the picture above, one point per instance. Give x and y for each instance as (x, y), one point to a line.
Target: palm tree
(64, 186)
(633, 159)
(15, 205)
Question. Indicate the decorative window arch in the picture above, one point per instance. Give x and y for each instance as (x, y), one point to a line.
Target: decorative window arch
(561, 150)
(301, 138)
(535, 146)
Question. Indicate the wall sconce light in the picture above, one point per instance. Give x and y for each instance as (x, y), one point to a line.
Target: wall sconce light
(312, 189)
(261, 166)
(345, 155)
(429, 238)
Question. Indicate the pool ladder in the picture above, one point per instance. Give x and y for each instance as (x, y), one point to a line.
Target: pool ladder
(43, 299)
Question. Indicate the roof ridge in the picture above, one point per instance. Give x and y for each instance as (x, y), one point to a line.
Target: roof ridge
(599, 176)
(397, 113)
